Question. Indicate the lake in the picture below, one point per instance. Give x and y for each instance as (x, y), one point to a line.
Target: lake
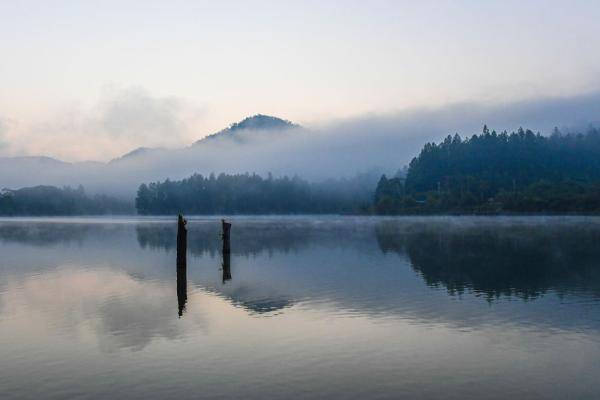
(304, 307)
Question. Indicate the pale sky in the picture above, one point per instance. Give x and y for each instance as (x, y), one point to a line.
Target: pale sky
(92, 80)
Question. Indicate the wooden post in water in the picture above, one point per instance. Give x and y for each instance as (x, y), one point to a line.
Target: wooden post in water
(226, 243)
(181, 242)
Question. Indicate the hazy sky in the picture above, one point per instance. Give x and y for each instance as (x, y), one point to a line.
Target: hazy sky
(91, 80)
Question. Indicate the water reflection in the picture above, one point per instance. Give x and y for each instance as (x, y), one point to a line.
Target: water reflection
(525, 258)
(525, 261)
(340, 261)
(181, 264)
(226, 267)
(205, 238)
(406, 298)
(120, 311)
(43, 234)
(181, 289)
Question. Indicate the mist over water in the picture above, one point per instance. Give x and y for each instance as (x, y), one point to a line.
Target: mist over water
(341, 307)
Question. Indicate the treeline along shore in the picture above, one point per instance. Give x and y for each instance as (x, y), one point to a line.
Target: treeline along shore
(520, 172)
(50, 200)
(488, 173)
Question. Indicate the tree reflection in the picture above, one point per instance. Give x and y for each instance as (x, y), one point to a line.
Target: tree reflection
(44, 234)
(524, 260)
(206, 238)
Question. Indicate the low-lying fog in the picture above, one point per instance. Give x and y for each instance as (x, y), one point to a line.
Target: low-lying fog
(338, 148)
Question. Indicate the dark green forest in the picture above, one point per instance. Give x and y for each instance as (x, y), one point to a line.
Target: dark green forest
(50, 200)
(253, 194)
(520, 172)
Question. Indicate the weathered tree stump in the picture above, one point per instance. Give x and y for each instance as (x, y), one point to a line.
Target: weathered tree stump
(225, 236)
(181, 241)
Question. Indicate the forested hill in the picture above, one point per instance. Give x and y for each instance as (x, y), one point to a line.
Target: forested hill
(50, 200)
(258, 122)
(497, 172)
(253, 194)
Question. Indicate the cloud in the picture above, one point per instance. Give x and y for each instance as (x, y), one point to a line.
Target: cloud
(3, 134)
(133, 113)
(121, 120)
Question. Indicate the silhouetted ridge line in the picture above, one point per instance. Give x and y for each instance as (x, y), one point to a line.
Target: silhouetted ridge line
(258, 122)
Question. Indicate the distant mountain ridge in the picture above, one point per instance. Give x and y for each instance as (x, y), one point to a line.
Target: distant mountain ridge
(258, 122)
(259, 144)
(34, 159)
(141, 164)
(137, 152)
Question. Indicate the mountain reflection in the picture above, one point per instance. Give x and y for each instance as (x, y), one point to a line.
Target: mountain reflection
(262, 306)
(524, 260)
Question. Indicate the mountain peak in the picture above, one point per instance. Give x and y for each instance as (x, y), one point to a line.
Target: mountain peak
(258, 122)
(138, 152)
(261, 121)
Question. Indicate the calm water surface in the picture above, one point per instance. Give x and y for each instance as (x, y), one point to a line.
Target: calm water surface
(306, 307)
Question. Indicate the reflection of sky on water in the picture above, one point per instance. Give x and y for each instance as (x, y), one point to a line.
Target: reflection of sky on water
(423, 304)
(120, 311)
(532, 274)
